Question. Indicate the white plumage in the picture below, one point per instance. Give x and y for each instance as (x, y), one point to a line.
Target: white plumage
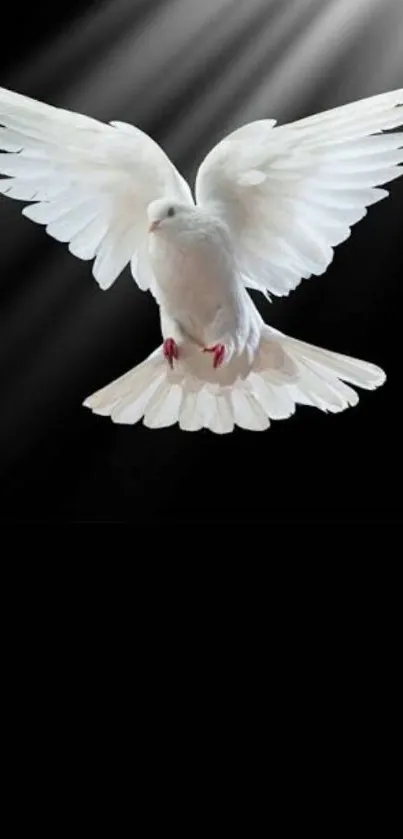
(271, 204)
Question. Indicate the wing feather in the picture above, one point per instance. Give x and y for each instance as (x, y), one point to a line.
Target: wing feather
(90, 182)
(290, 194)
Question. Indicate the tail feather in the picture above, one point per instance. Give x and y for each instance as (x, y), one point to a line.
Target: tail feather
(222, 421)
(327, 394)
(248, 411)
(164, 405)
(353, 370)
(285, 372)
(276, 400)
(189, 415)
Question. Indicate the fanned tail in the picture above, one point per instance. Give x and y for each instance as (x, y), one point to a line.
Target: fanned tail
(285, 372)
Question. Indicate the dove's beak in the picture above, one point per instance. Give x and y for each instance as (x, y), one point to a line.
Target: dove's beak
(153, 226)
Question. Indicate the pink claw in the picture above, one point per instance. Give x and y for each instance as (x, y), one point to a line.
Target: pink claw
(170, 350)
(218, 351)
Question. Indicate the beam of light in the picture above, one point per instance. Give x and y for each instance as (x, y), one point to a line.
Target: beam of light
(312, 36)
(244, 68)
(85, 40)
(334, 29)
(125, 73)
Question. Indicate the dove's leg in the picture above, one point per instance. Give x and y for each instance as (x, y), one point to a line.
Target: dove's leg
(221, 337)
(171, 351)
(218, 352)
(173, 337)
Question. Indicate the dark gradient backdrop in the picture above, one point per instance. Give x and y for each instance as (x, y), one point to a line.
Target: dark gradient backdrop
(187, 71)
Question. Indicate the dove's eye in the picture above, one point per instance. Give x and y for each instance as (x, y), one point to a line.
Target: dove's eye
(171, 212)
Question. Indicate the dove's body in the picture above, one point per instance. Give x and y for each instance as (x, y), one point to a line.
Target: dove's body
(194, 275)
(199, 288)
(271, 203)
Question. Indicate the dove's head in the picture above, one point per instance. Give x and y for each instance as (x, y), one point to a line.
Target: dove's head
(165, 215)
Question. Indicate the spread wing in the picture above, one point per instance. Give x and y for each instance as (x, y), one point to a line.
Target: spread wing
(90, 182)
(290, 194)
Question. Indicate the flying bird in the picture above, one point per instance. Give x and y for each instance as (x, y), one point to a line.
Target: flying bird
(270, 203)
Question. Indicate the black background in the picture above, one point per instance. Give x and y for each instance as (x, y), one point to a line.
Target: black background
(62, 338)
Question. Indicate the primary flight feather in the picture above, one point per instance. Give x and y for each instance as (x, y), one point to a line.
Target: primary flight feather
(271, 204)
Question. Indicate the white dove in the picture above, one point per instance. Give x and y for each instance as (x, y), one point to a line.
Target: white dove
(271, 203)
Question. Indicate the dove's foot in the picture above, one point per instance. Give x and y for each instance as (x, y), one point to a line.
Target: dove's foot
(170, 350)
(218, 353)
